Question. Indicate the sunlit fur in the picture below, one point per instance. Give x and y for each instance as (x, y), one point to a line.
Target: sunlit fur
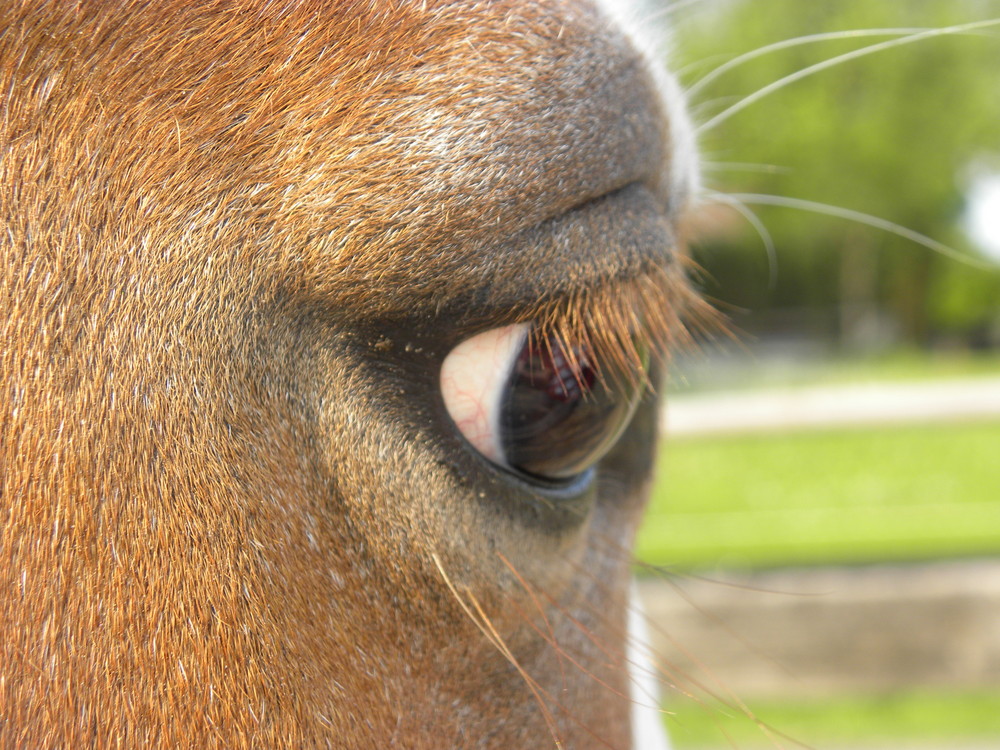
(237, 241)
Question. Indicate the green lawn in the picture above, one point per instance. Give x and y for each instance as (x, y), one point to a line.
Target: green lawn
(922, 718)
(840, 496)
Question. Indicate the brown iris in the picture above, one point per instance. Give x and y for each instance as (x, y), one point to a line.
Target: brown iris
(542, 403)
(560, 412)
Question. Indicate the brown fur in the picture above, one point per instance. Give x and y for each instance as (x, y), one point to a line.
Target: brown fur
(237, 240)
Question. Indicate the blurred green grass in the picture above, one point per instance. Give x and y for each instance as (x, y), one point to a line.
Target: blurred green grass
(834, 496)
(923, 717)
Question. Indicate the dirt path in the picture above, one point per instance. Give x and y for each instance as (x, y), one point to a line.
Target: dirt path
(819, 407)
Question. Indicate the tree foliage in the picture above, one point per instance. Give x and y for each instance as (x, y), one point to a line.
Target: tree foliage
(892, 134)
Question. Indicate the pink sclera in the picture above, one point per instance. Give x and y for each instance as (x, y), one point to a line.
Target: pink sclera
(473, 376)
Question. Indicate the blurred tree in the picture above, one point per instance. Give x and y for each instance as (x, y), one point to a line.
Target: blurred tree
(890, 135)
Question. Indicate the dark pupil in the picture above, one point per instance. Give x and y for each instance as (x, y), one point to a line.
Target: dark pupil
(558, 417)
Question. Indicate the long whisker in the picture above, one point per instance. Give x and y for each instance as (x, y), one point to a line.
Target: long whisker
(506, 651)
(613, 655)
(709, 78)
(675, 675)
(721, 694)
(551, 636)
(837, 60)
(762, 231)
(474, 611)
(682, 681)
(564, 654)
(482, 622)
(859, 217)
(712, 617)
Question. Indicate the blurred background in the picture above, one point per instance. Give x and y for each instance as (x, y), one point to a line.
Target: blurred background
(821, 559)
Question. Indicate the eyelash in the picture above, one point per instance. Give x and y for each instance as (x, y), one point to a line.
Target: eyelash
(535, 405)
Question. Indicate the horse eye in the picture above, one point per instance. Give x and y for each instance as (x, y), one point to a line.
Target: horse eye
(529, 404)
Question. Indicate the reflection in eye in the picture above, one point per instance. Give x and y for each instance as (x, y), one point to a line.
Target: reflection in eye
(530, 404)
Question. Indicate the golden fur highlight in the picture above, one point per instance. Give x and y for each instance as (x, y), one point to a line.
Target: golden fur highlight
(224, 510)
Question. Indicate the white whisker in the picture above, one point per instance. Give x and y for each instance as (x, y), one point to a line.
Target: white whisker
(837, 60)
(474, 612)
(741, 208)
(861, 218)
(708, 79)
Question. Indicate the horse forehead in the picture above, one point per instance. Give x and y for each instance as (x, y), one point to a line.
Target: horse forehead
(362, 133)
(483, 100)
